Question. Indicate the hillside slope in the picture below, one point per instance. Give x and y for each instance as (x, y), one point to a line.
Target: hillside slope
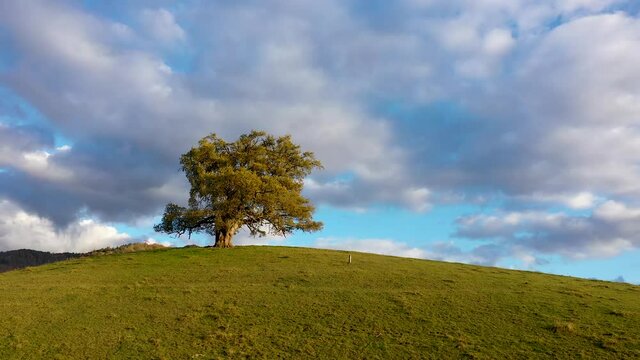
(270, 302)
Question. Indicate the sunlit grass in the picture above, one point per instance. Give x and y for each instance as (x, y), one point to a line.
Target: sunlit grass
(270, 302)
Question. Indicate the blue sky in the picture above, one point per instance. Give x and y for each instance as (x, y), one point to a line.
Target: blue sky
(500, 133)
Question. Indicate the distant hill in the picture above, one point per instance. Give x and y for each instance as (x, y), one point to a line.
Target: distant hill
(280, 302)
(16, 259)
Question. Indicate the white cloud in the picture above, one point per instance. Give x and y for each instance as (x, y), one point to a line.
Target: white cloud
(588, 138)
(577, 201)
(418, 199)
(564, 130)
(615, 211)
(583, 200)
(38, 164)
(498, 42)
(162, 25)
(22, 149)
(589, 5)
(152, 241)
(20, 229)
(458, 34)
(375, 246)
(244, 238)
(64, 148)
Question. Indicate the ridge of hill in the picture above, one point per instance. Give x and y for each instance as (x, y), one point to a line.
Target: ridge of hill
(281, 302)
(18, 259)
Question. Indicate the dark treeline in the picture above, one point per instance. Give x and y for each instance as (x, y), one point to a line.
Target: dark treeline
(16, 259)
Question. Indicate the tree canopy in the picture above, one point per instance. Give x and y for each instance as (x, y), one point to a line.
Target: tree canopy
(255, 181)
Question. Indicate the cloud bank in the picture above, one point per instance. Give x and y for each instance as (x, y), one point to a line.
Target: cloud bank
(23, 230)
(409, 104)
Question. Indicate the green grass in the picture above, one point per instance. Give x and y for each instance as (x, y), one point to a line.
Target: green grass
(274, 302)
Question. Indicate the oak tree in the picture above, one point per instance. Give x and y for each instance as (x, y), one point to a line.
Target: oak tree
(255, 181)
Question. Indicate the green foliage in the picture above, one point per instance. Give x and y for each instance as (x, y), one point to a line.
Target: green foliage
(255, 182)
(278, 302)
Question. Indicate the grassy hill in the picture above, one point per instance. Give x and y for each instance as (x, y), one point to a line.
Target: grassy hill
(273, 302)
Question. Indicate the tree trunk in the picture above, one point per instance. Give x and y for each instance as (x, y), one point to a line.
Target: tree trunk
(223, 239)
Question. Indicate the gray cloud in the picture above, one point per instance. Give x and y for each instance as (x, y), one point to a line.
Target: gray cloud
(566, 125)
(611, 229)
(122, 107)
(63, 183)
(15, 140)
